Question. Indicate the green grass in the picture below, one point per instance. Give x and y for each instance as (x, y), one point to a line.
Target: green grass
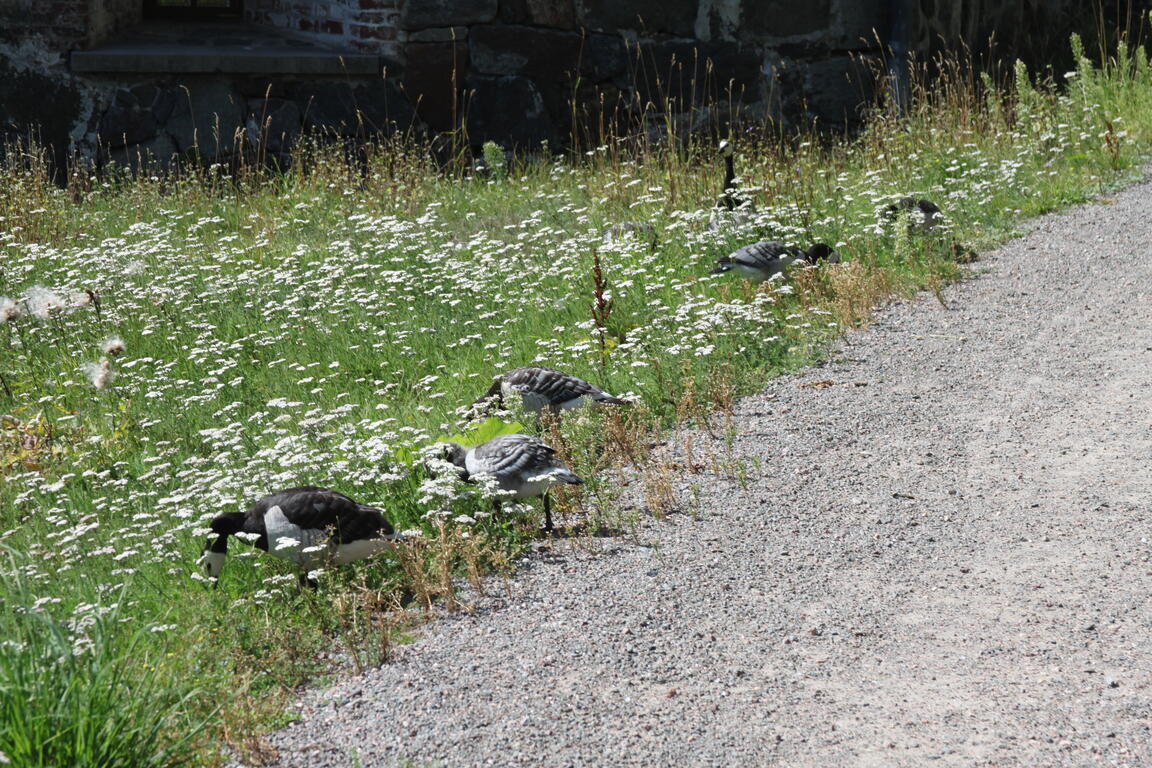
(322, 325)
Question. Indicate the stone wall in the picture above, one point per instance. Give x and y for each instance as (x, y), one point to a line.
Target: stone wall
(58, 24)
(514, 71)
(517, 70)
(211, 119)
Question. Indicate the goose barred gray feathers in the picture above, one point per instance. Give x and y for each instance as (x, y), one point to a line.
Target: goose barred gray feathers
(760, 261)
(924, 215)
(541, 388)
(308, 526)
(522, 465)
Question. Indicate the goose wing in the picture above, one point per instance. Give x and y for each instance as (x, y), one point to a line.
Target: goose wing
(558, 387)
(765, 254)
(313, 508)
(514, 457)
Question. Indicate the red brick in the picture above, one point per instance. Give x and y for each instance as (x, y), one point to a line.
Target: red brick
(374, 32)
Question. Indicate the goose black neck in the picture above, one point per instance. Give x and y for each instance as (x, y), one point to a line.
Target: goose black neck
(729, 174)
(231, 522)
(218, 545)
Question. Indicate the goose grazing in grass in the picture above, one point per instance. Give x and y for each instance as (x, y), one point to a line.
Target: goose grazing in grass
(760, 261)
(732, 208)
(541, 389)
(522, 465)
(923, 214)
(309, 526)
(643, 232)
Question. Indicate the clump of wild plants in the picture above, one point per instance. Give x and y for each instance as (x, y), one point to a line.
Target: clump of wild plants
(494, 160)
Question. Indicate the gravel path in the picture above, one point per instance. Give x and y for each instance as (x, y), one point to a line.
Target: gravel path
(945, 562)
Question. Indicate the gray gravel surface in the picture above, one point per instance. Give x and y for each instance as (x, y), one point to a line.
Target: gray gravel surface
(943, 559)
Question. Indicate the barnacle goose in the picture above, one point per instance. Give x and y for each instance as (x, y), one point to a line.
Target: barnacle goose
(309, 526)
(732, 208)
(760, 261)
(541, 388)
(521, 464)
(923, 214)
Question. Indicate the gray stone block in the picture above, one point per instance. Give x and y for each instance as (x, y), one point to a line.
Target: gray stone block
(605, 57)
(558, 14)
(694, 73)
(760, 19)
(507, 109)
(206, 120)
(541, 54)
(126, 121)
(152, 155)
(856, 22)
(419, 14)
(438, 35)
(429, 74)
(672, 17)
(837, 88)
(353, 109)
(273, 124)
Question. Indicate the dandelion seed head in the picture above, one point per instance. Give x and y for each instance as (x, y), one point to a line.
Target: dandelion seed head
(9, 309)
(43, 302)
(100, 374)
(113, 346)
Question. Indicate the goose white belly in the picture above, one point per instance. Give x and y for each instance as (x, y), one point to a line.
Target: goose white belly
(530, 489)
(342, 554)
(754, 274)
(520, 487)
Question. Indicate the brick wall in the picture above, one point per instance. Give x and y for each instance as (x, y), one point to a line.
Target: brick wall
(366, 25)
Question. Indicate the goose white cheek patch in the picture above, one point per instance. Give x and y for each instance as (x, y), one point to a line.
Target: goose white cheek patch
(213, 563)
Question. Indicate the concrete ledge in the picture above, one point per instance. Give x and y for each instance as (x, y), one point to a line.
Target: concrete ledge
(220, 48)
(190, 61)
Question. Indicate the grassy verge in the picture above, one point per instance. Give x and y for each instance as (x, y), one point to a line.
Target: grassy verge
(322, 325)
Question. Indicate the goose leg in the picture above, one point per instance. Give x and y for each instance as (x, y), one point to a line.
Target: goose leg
(547, 514)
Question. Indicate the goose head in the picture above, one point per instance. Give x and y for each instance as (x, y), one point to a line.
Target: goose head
(725, 148)
(452, 453)
(822, 252)
(216, 548)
